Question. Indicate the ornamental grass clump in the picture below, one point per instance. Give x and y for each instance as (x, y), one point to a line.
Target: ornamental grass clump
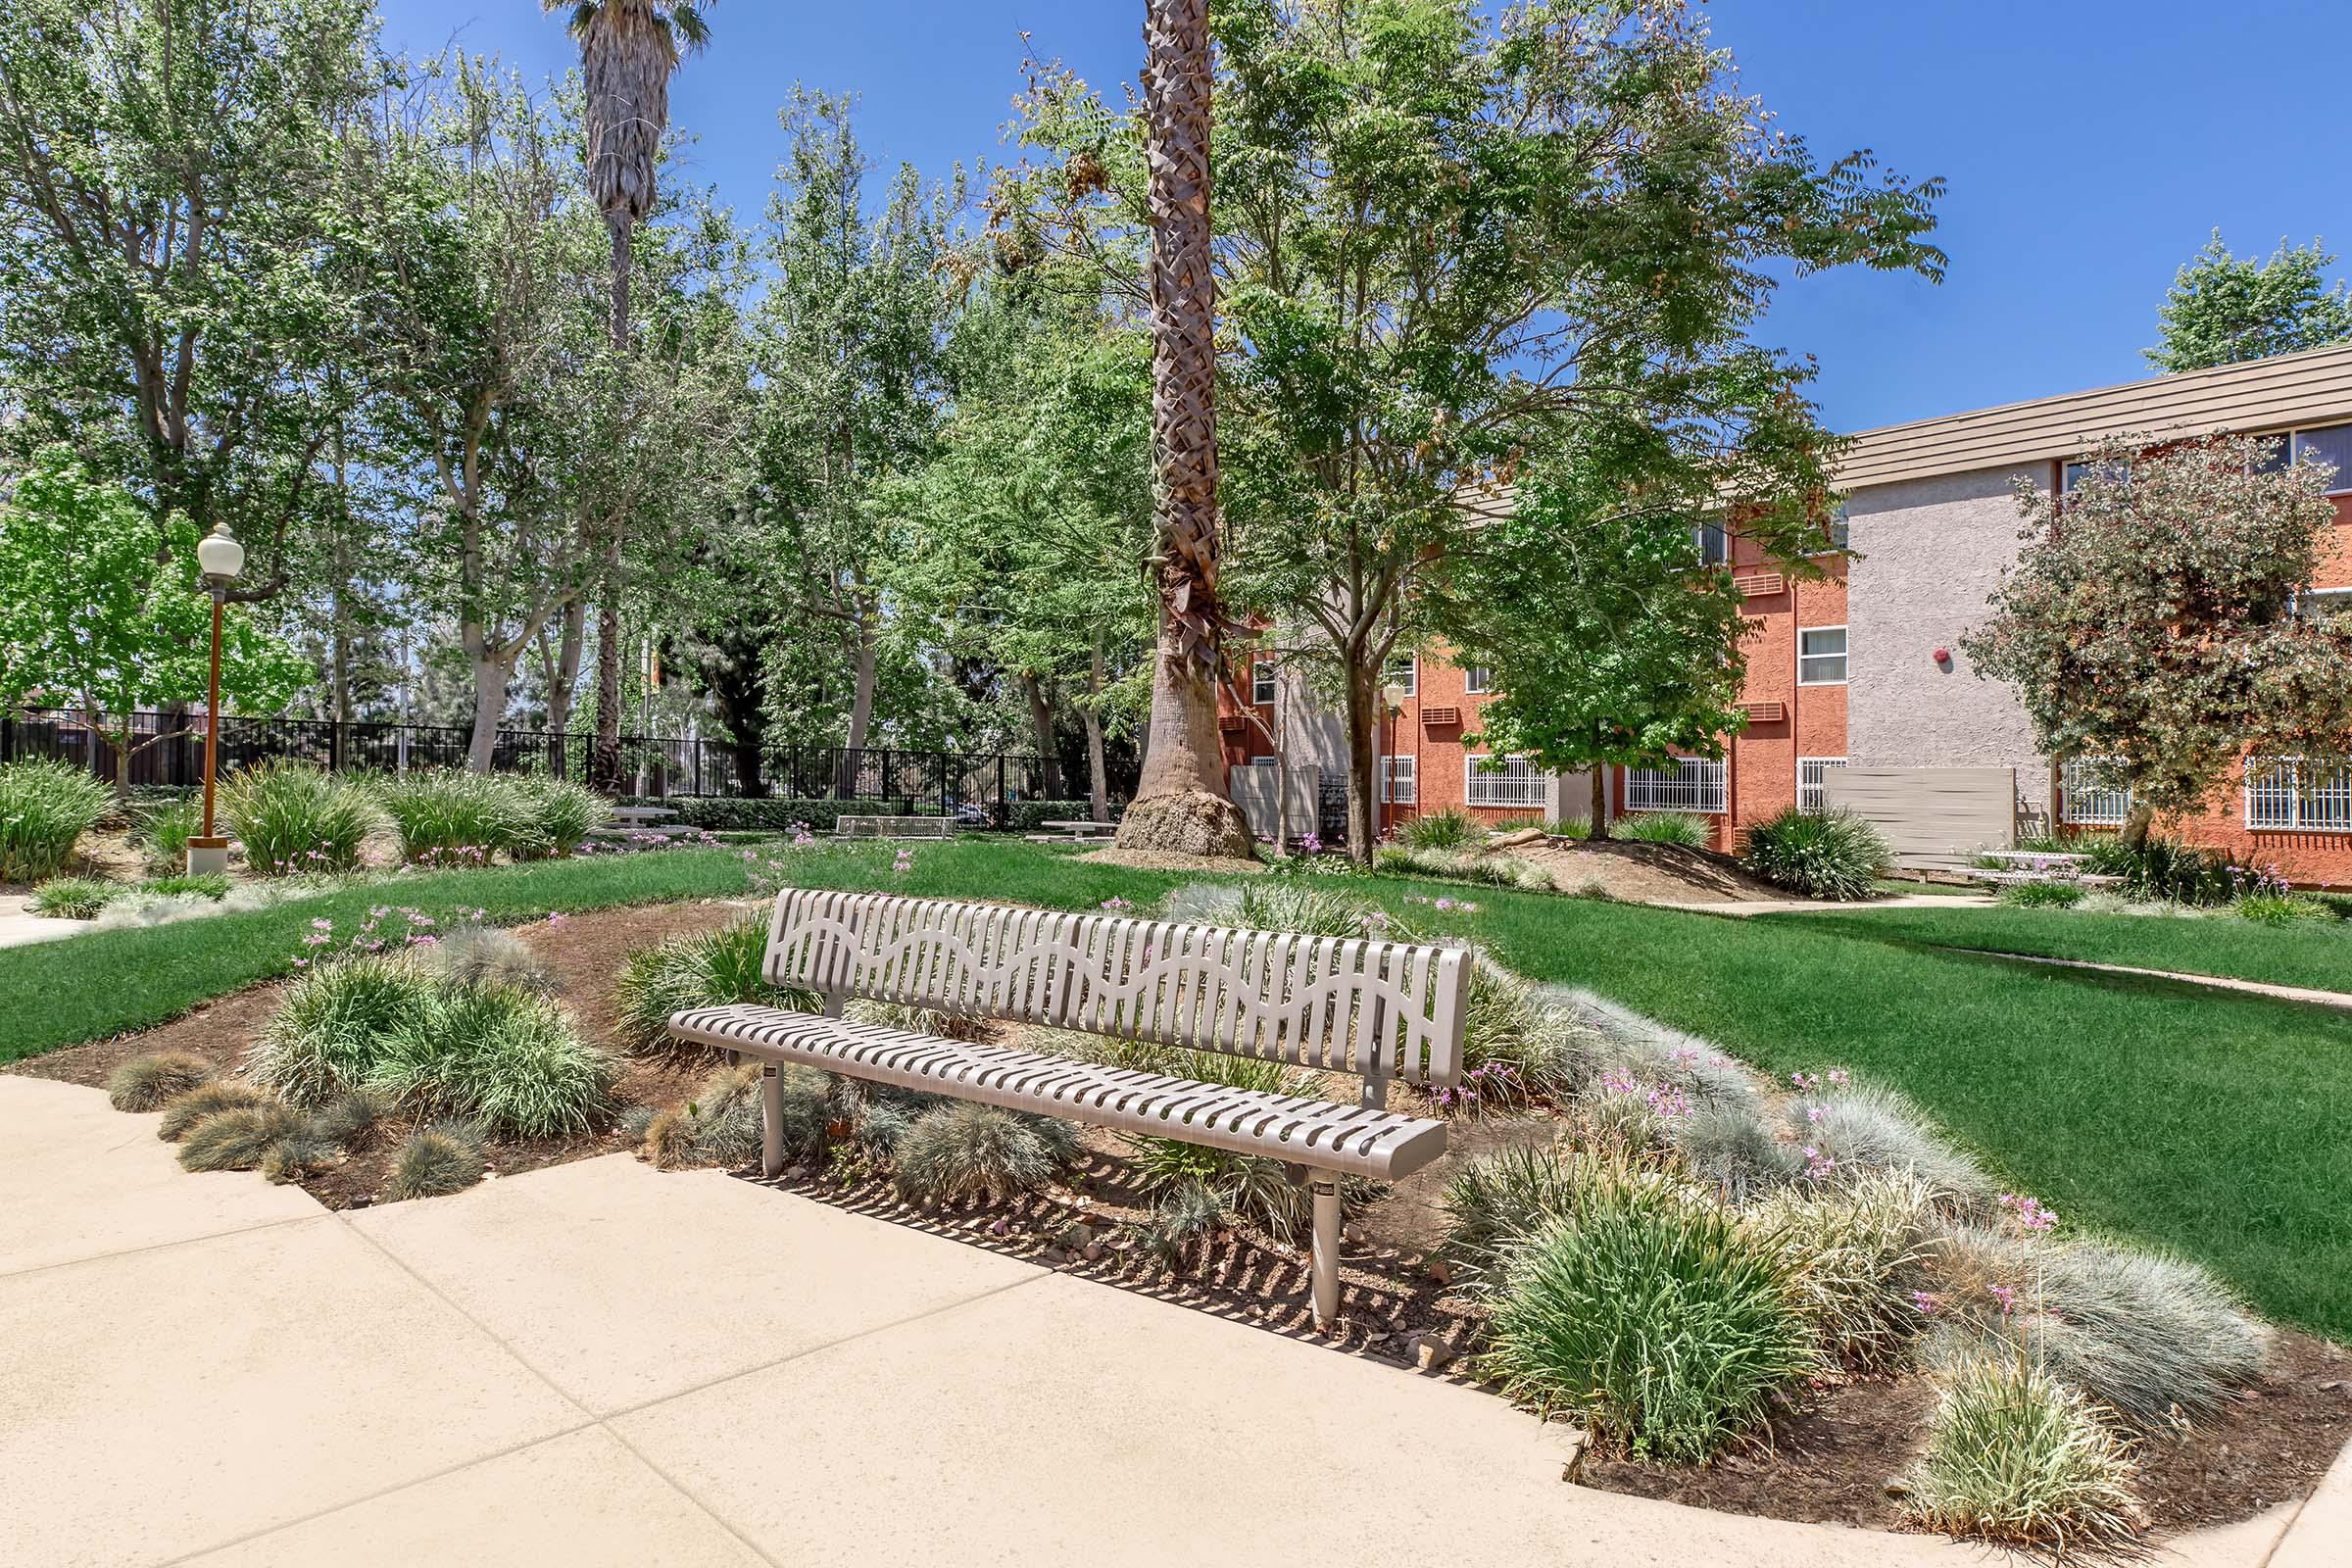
(183, 1111)
(2017, 1457)
(558, 815)
(240, 1139)
(489, 956)
(1727, 1149)
(149, 1082)
(201, 885)
(296, 817)
(45, 807)
(2054, 893)
(1497, 1202)
(452, 817)
(962, 1150)
(1848, 1131)
(1678, 829)
(164, 831)
(1659, 1318)
(444, 1157)
(505, 1060)
(74, 898)
(723, 1125)
(327, 1036)
(707, 970)
(1855, 1254)
(1442, 830)
(1820, 855)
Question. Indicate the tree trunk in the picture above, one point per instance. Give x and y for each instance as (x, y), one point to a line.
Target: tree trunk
(604, 757)
(1041, 735)
(562, 685)
(2135, 836)
(339, 698)
(1601, 800)
(620, 223)
(491, 676)
(1181, 804)
(1362, 712)
(1098, 776)
(862, 686)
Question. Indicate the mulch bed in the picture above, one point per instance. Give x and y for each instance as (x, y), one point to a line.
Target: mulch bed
(1828, 1458)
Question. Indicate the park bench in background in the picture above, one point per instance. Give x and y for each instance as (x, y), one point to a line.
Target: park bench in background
(1381, 1010)
(1077, 830)
(894, 827)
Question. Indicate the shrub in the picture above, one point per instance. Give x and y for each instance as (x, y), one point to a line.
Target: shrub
(45, 806)
(709, 970)
(2016, 1456)
(2161, 869)
(1653, 1316)
(1855, 1255)
(1666, 827)
(445, 1157)
(1185, 1215)
(961, 1150)
(1854, 1131)
(2147, 1335)
(722, 1124)
(487, 955)
(1499, 1201)
(145, 1083)
(183, 1111)
(507, 1060)
(210, 885)
(451, 817)
(1570, 827)
(2053, 894)
(1463, 865)
(1442, 830)
(164, 828)
(2277, 907)
(325, 1038)
(1831, 855)
(238, 1139)
(558, 817)
(352, 1119)
(1724, 1147)
(1309, 909)
(297, 818)
(74, 898)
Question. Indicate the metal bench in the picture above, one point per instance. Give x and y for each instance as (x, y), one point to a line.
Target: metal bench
(894, 827)
(1381, 1010)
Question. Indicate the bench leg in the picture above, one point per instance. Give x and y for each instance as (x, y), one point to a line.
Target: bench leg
(772, 1122)
(1326, 1190)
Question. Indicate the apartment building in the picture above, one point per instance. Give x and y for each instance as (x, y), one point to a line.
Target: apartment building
(1857, 688)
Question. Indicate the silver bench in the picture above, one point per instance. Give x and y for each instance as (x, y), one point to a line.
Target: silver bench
(1379, 1009)
(894, 827)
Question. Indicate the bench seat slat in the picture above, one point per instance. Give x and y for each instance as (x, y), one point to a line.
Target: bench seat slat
(1354, 1139)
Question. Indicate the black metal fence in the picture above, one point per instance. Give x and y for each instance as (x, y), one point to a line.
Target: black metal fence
(913, 782)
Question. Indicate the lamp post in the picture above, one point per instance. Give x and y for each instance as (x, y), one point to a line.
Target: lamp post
(1392, 697)
(220, 558)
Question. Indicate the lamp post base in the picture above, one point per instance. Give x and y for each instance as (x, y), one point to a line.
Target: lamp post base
(208, 857)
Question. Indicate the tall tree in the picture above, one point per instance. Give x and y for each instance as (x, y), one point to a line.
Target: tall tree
(2151, 622)
(2222, 308)
(628, 50)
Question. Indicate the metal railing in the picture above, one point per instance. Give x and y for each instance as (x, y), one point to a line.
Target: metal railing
(1700, 784)
(2289, 794)
(2084, 802)
(1813, 782)
(1517, 782)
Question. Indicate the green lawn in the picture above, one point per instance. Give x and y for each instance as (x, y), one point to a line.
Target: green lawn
(2308, 952)
(2219, 1125)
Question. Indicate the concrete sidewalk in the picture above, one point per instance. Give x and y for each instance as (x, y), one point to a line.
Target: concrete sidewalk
(19, 925)
(598, 1364)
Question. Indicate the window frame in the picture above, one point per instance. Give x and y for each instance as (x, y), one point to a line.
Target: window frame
(1524, 782)
(1712, 782)
(1478, 680)
(2341, 484)
(1843, 656)
(1412, 681)
(2084, 804)
(1390, 776)
(2259, 770)
(1263, 677)
(1819, 787)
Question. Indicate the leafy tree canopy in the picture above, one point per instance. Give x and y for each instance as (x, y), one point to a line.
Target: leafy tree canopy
(2225, 308)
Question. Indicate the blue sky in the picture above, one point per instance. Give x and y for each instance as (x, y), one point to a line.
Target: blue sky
(2092, 145)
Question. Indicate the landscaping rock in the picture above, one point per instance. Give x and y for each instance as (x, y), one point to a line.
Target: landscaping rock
(1431, 1352)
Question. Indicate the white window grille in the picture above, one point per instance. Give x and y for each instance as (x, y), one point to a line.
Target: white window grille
(1821, 655)
(1261, 682)
(1812, 778)
(2290, 794)
(1396, 780)
(1700, 784)
(1516, 783)
(2084, 802)
(1478, 680)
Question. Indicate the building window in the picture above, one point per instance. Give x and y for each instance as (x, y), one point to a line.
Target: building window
(1396, 780)
(2331, 446)
(1700, 784)
(2074, 474)
(1261, 682)
(1812, 779)
(2085, 802)
(2315, 603)
(1713, 544)
(1404, 671)
(1840, 533)
(2289, 794)
(1517, 782)
(1821, 655)
(1478, 680)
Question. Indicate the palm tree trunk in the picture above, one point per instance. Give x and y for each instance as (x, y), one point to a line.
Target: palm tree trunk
(604, 757)
(1181, 803)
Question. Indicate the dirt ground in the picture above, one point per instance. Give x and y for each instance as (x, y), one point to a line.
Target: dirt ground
(1827, 1457)
(1646, 873)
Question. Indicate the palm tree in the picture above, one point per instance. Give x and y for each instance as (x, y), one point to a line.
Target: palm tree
(628, 49)
(1181, 803)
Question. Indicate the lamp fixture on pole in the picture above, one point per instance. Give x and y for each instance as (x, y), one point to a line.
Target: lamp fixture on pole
(220, 558)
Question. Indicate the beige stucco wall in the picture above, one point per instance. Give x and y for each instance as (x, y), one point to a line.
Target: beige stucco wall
(1931, 552)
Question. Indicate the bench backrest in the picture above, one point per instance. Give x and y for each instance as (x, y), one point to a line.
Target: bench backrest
(1381, 1009)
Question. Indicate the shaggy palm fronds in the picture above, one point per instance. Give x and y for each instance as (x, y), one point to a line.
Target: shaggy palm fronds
(1666, 827)
(164, 831)
(45, 806)
(449, 817)
(558, 815)
(707, 970)
(962, 1151)
(74, 898)
(295, 817)
(183, 1111)
(1862, 1128)
(1821, 854)
(445, 1157)
(1727, 1149)
(1442, 830)
(486, 956)
(237, 1140)
(1855, 1255)
(325, 1038)
(2153, 1338)
(2016, 1456)
(1652, 1315)
(145, 1083)
(507, 1060)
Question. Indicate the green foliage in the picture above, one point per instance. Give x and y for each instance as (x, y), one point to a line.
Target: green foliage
(721, 1124)
(707, 970)
(451, 817)
(2049, 893)
(2224, 309)
(558, 817)
(2017, 1457)
(1860, 1130)
(1496, 1202)
(1461, 866)
(164, 828)
(2168, 869)
(297, 818)
(325, 1038)
(1651, 1314)
(146, 1083)
(488, 956)
(1570, 827)
(1832, 855)
(1679, 829)
(1727, 1149)
(352, 1119)
(509, 1060)
(183, 1111)
(211, 885)
(45, 806)
(74, 898)
(962, 1150)
(1185, 1217)
(1855, 1254)
(445, 1157)
(1442, 830)
(242, 1139)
